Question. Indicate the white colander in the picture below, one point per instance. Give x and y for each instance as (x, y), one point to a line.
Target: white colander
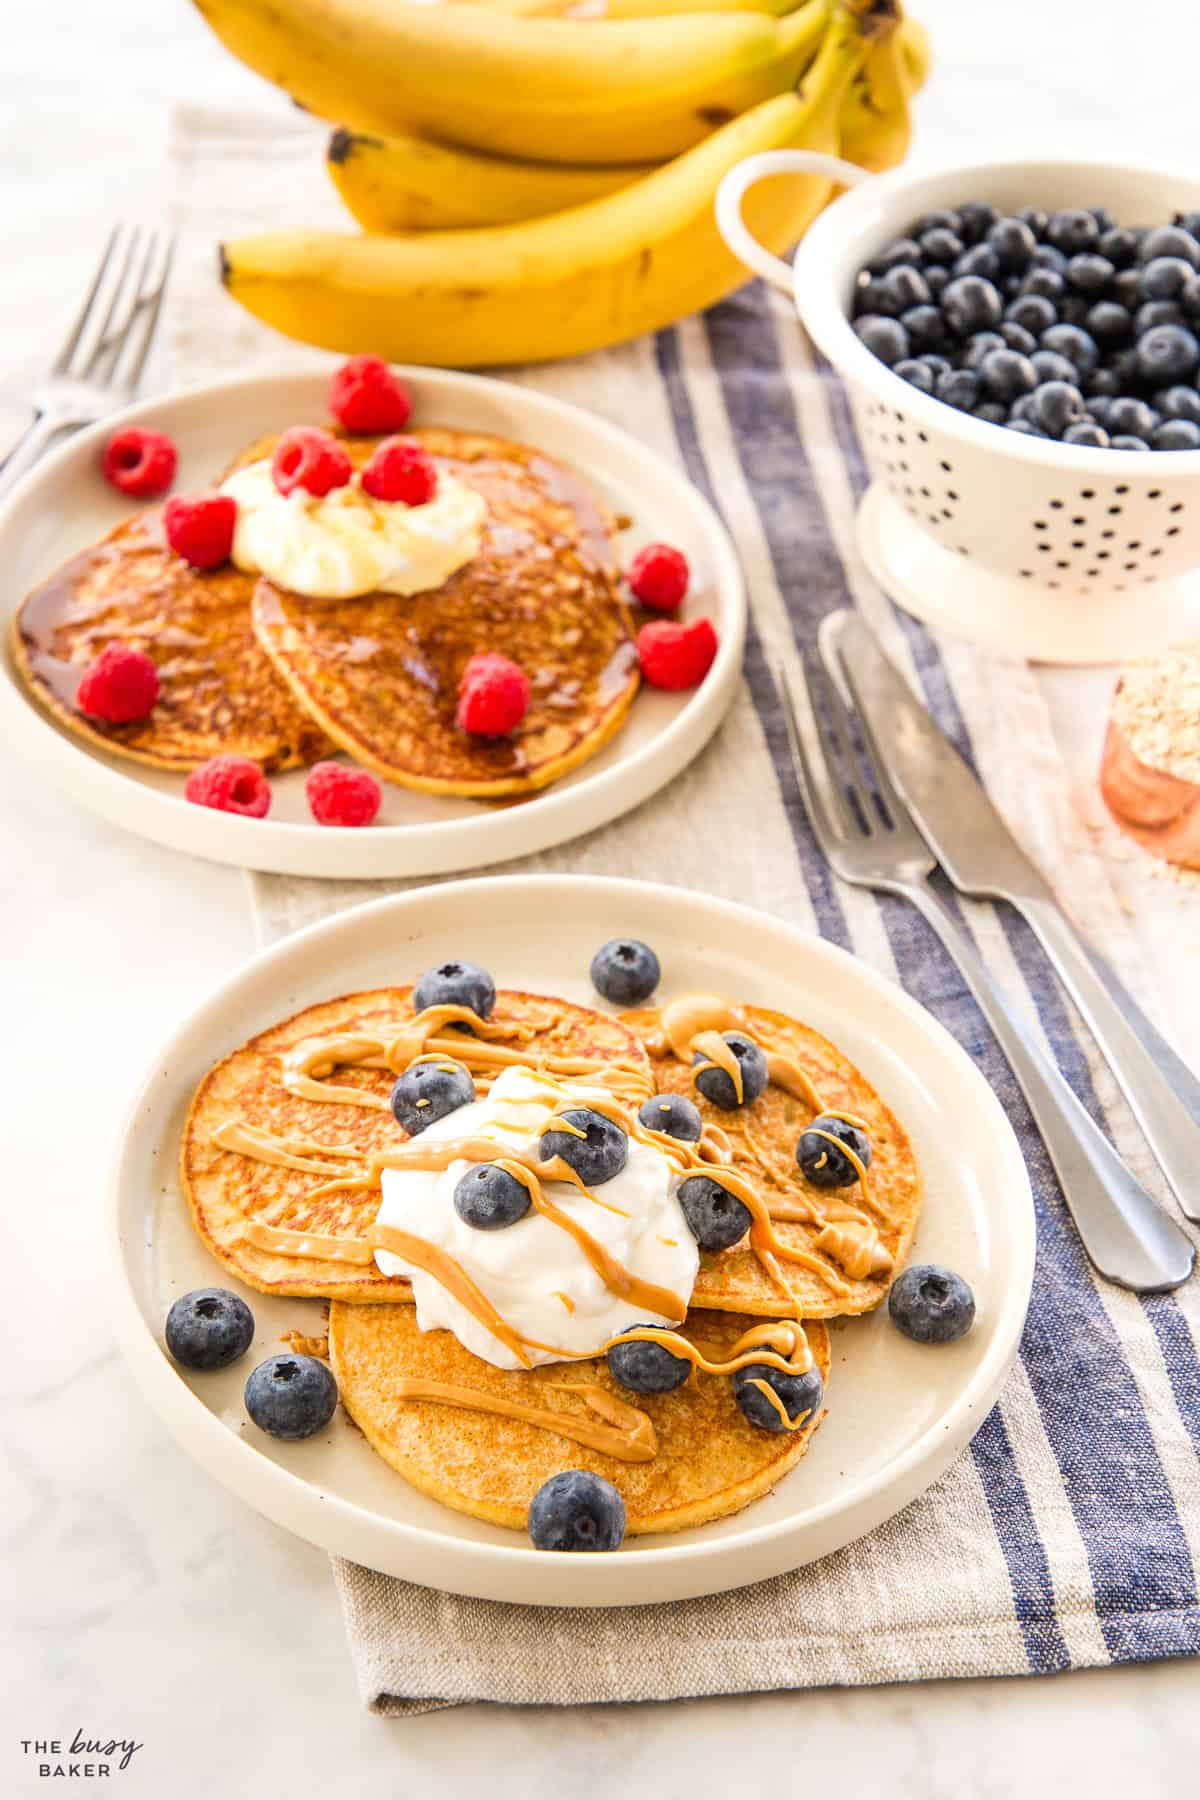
(1029, 546)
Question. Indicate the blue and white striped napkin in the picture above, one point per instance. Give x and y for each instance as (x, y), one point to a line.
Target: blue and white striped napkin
(1068, 1534)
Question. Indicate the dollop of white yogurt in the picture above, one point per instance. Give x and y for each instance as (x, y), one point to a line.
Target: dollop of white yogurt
(533, 1272)
(346, 543)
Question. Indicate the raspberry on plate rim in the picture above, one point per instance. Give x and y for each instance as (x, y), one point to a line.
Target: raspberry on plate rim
(309, 459)
(367, 399)
(675, 656)
(232, 784)
(340, 795)
(658, 576)
(140, 463)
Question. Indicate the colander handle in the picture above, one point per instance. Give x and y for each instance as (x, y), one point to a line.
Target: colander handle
(743, 175)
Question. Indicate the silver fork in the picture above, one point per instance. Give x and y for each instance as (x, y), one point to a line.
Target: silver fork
(100, 364)
(869, 839)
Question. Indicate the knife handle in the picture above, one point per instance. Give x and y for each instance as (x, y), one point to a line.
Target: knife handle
(1128, 1237)
(1160, 1088)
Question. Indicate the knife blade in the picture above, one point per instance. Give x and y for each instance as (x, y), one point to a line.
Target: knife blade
(950, 805)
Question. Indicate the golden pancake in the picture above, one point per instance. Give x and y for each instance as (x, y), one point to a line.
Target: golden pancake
(219, 692)
(380, 673)
(879, 1217)
(708, 1460)
(260, 1193)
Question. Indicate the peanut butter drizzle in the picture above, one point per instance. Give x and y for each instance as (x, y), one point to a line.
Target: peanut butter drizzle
(306, 1346)
(453, 1277)
(627, 1434)
(717, 1054)
(768, 1392)
(779, 1343)
(282, 1152)
(308, 1244)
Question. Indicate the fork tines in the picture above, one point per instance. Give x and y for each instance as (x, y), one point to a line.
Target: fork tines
(110, 338)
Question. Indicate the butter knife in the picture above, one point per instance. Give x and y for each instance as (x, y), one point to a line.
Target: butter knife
(982, 858)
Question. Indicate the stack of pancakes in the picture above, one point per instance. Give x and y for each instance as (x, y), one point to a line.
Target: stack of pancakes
(250, 669)
(710, 1460)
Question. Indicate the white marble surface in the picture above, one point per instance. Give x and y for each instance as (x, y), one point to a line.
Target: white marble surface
(140, 1599)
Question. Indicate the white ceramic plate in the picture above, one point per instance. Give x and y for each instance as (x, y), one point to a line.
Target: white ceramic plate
(65, 503)
(898, 1413)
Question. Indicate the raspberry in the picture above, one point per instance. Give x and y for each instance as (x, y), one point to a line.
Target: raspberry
(309, 459)
(676, 656)
(200, 528)
(341, 796)
(230, 784)
(401, 469)
(366, 398)
(141, 463)
(120, 686)
(493, 696)
(658, 576)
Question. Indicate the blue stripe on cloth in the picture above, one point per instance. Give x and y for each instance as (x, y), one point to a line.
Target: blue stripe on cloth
(1024, 1552)
(822, 889)
(1138, 1553)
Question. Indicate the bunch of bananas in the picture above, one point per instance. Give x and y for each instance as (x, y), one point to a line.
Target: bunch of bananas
(531, 185)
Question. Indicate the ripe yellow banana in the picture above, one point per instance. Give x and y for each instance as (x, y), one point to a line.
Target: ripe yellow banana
(620, 91)
(410, 184)
(625, 9)
(876, 122)
(575, 281)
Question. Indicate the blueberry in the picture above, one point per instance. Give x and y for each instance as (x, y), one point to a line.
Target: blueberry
(1107, 322)
(429, 1091)
(901, 250)
(941, 244)
(1156, 312)
(488, 1198)
(1048, 365)
(625, 971)
(1047, 257)
(1164, 278)
(1072, 230)
(1022, 408)
(1089, 274)
(980, 260)
(1046, 283)
(456, 984)
(941, 219)
(647, 1367)
(1119, 245)
(717, 1084)
(1087, 433)
(209, 1328)
(1131, 417)
(1056, 404)
(916, 373)
(1179, 403)
(1077, 346)
(291, 1396)
(1097, 409)
(1123, 365)
(821, 1162)
(971, 304)
(975, 219)
(1024, 427)
(1170, 241)
(884, 338)
(1176, 434)
(1103, 217)
(1017, 338)
(1033, 313)
(577, 1511)
(958, 388)
(991, 412)
(1167, 353)
(1006, 374)
(870, 296)
(1127, 442)
(980, 346)
(931, 1305)
(1073, 309)
(904, 286)
(715, 1217)
(934, 363)
(1189, 222)
(1036, 219)
(674, 1115)
(1101, 382)
(798, 1394)
(925, 326)
(1013, 242)
(1127, 288)
(597, 1156)
(936, 277)
(1189, 299)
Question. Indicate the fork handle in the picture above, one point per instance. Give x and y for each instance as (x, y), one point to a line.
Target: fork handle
(1161, 1090)
(1128, 1237)
(33, 443)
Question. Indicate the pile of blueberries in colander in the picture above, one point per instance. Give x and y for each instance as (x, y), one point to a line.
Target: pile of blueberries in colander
(1060, 325)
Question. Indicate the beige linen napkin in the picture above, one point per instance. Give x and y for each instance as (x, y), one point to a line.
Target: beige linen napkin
(1008, 1564)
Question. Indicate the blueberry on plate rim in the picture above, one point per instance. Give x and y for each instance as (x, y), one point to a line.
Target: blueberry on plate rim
(291, 1397)
(430, 1088)
(931, 1305)
(209, 1329)
(577, 1510)
(594, 1146)
(625, 971)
